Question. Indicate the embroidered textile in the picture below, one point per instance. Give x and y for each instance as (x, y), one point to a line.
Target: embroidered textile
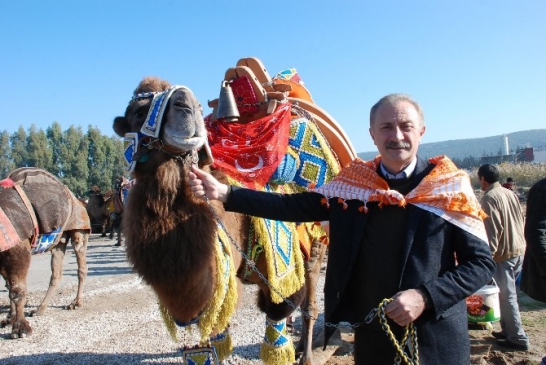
(285, 270)
(446, 191)
(317, 163)
(277, 347)
(46, 241)
(200, 356)
(8, 235)
(250, 152)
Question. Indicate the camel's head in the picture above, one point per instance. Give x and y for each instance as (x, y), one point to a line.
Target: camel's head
(161, 121)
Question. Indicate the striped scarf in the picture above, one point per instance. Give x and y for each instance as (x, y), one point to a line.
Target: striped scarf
(446, 191)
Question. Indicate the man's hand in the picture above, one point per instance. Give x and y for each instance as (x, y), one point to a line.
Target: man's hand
(203, 183)
(406, 306)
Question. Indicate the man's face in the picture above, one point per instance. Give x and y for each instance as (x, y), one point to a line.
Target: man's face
(482, 183)
(397, 132)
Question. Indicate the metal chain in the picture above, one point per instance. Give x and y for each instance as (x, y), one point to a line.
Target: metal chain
(409, 339)
(252, 265)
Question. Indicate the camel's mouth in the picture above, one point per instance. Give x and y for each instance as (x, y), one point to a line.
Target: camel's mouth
(174, 124)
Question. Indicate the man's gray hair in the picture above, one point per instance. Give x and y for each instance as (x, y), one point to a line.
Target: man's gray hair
(392, 99)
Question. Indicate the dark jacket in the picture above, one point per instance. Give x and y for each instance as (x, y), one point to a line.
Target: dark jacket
(428, 263)
(533, 273)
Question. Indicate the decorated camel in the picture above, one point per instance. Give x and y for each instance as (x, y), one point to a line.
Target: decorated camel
(115, 206)
(193, 253)
(38, 213)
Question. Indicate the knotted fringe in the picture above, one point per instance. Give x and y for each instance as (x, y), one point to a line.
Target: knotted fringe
(277, 347)
(168, 320)
(218, 313)
(223, 345)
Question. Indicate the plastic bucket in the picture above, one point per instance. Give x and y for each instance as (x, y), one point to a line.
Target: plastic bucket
(483, 305)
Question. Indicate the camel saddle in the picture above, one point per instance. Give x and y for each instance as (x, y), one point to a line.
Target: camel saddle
(35, 202)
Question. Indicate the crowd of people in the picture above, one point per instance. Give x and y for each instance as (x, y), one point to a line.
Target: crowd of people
(411, 231)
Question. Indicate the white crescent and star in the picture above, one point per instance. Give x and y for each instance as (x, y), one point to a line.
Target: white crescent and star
(258, 166)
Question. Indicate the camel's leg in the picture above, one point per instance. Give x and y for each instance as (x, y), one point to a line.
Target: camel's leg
(117, 226)
(310, 308)
(112, 229)
(57, 257)
(15, 266)
(79, 239)
(104, 224)
(120, 239)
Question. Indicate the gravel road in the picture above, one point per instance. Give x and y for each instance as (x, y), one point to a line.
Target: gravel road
(119, 322)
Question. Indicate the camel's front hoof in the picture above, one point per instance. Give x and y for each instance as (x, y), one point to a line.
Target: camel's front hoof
(73, 306)
(37, 312)
(21, 330)
(15, 336)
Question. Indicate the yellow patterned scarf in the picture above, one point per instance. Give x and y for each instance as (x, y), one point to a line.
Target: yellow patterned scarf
(446, 191)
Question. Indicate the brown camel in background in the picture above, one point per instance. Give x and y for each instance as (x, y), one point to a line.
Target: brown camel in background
(38, 213)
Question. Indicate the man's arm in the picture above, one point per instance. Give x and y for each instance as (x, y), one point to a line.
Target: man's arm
(493, 223)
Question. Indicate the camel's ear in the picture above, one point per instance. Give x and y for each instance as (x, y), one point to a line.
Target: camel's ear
(121, 126)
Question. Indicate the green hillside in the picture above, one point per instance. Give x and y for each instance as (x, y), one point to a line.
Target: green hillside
(477, 147)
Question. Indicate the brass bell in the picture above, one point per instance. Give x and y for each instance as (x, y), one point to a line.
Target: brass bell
(227, 107)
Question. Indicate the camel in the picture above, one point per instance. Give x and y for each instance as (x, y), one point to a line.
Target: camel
(179, 243)
(115, 206)
(97, 209)
(38, 213)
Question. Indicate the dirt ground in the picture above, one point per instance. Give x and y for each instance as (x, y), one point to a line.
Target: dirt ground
(484, 350)
(119, 323)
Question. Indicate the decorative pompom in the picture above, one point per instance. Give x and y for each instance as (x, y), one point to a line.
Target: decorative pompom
(324, 201)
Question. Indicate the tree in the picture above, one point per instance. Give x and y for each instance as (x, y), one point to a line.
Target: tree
(55, 141)
(6, 161)
(39, 151)
(19, 153)
(74, 152)
(96, 160)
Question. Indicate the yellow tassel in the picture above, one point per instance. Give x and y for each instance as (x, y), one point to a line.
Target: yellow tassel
(272, 355)
(223, 346)
(222, 306)
(169, 322)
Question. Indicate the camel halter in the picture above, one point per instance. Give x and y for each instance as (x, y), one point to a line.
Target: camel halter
(148, 136)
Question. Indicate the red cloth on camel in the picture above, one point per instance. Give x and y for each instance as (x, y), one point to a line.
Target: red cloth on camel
(250, 152)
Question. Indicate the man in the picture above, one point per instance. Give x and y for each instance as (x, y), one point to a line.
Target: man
(533, 273)
(395, 231)
(510, 184)
(504, 227)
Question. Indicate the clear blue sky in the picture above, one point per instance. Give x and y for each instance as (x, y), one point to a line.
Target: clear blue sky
(478, 67)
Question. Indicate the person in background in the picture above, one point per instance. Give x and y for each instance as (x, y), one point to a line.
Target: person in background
(510, 184)
(533, 273)
(504, 227)
(396, 225)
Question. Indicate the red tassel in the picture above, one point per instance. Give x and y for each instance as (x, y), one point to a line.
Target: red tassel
(342, 201)
(324, 201)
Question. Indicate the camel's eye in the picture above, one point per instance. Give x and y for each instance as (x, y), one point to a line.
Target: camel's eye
(141, 112)
(178, 103)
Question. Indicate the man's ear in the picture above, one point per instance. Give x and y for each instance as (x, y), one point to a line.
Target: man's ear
(423, 128)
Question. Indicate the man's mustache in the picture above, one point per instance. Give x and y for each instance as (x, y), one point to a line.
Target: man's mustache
(398, 145)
